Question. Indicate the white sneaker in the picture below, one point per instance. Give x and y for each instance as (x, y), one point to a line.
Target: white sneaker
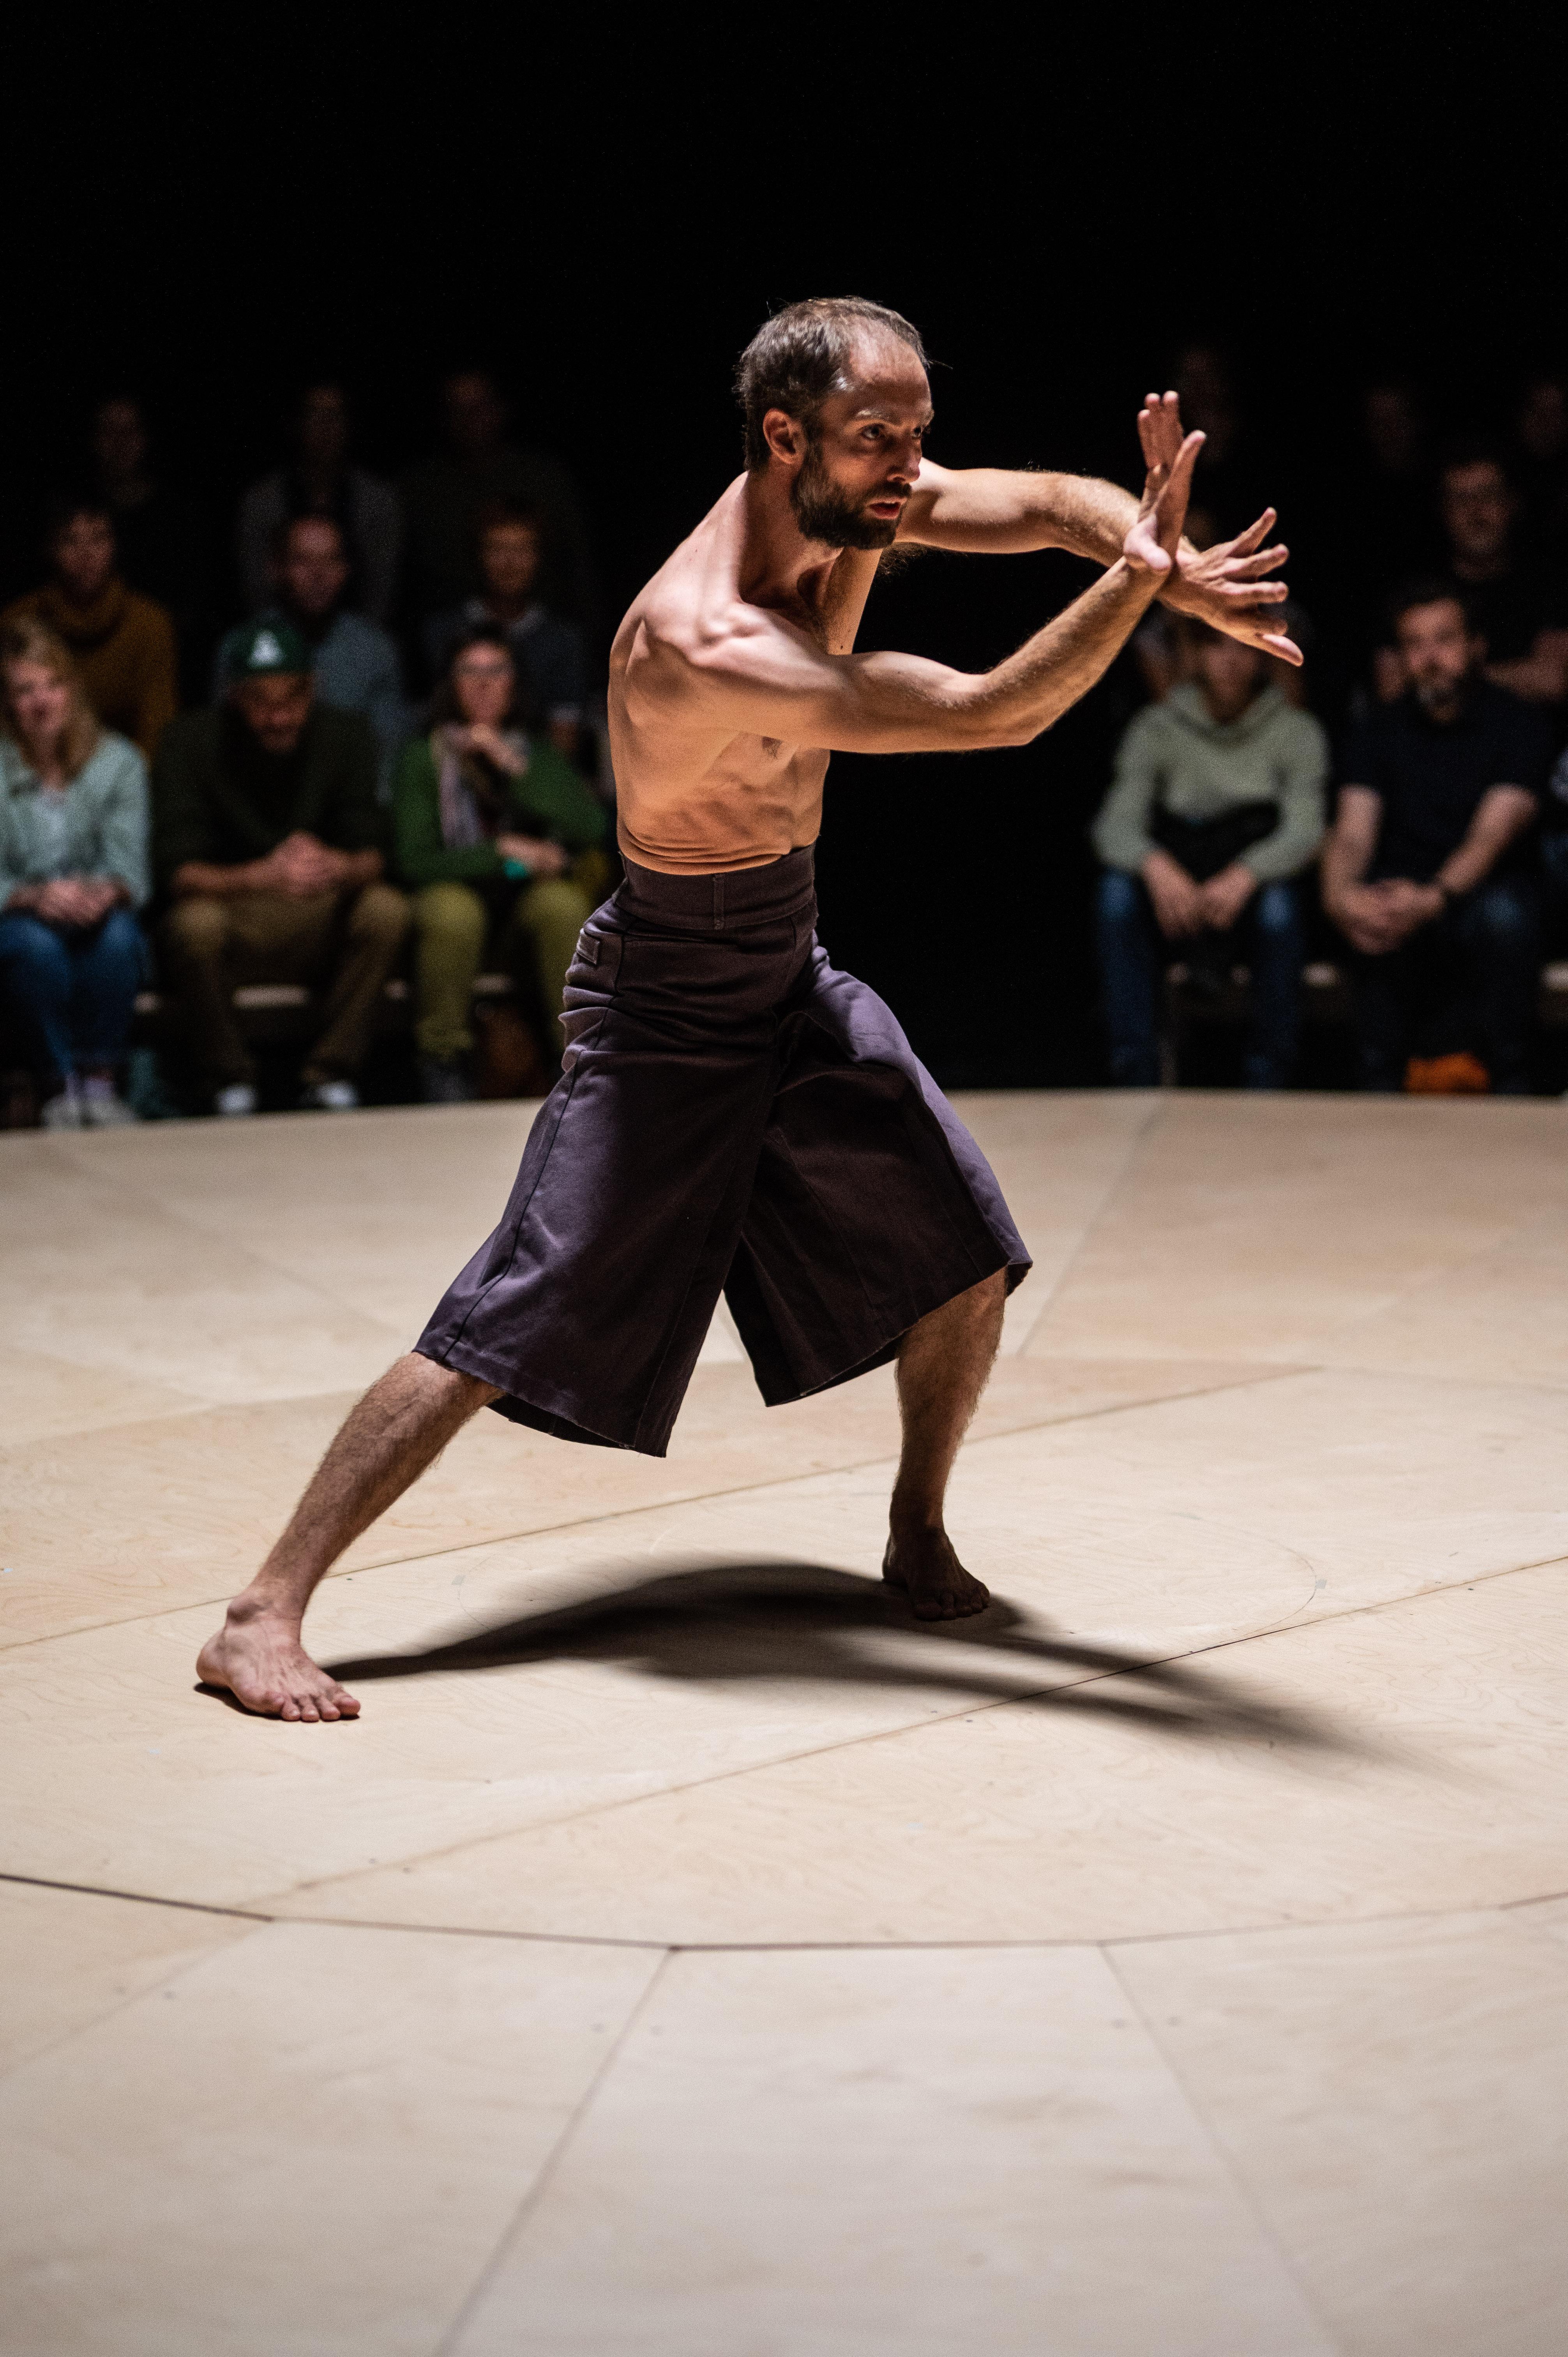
(329, 1096)
(101, 1108)
(65, 1112)
(237, 1099)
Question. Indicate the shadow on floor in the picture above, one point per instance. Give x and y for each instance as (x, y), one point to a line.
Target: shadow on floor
(716, 1622)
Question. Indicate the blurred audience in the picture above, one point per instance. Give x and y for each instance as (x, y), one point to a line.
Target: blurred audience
(1517, 604)
(1426, 870)
(73, 869)
(1540, 463)
(550, 654)
(446, 495)
(123, 644)
(1227, 482)
(494, 834)
(320, 481)
(157, 531)
(268, 844)
(353, 661)
(1216, 807)
(1391, 484)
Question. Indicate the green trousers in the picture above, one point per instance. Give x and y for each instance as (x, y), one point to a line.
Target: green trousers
(451, 924)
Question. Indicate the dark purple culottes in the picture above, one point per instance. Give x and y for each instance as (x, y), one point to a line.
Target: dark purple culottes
(732, 1116)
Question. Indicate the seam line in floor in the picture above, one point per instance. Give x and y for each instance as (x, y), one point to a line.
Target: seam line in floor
(691, 1497)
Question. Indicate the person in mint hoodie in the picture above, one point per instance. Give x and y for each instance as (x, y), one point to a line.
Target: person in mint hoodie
(1216, 808)
(499, 839)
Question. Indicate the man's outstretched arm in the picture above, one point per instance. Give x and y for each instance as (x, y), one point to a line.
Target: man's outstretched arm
(989, 510)
(768, 678)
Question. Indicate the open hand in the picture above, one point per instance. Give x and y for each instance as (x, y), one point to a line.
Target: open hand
(1225, 586)
(1152, 544)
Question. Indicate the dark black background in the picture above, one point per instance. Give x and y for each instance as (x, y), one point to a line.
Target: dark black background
(208, 210)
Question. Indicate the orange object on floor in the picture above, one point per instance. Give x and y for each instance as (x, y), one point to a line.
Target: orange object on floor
(1447, 1076)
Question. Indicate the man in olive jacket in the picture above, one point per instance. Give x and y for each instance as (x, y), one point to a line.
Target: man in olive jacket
(267, 843)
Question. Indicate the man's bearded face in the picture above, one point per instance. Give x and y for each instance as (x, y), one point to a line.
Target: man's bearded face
(829, 515)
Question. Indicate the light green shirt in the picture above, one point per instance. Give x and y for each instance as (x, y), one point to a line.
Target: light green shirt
(1197, 768)
(97, 828)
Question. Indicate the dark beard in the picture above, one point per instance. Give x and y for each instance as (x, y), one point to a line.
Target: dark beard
(825, 515)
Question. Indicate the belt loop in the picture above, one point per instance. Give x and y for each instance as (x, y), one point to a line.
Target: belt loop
(718, 904)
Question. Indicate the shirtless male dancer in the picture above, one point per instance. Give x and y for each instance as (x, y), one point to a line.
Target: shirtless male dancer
(732, 1114)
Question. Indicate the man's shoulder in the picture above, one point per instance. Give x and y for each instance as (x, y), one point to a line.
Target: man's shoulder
(147, 618)
(191, 739)
(1508, 719)
(335, 733)
(364, 637)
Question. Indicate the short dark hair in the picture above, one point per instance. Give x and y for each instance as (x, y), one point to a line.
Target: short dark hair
(1474, 451)
(495, 515)
(1426, 590)
(64, 507)
(800, 356)
(283, 533)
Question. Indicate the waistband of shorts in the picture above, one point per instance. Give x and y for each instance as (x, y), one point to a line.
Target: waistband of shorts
(728, 902)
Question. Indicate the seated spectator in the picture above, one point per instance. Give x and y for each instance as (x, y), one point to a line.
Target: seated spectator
(551, 658)
(123, 643)
(487, 821)
(73, 867)
(1424, 872)
(1517, 607)
(158, 533)
(353, 661)
(446, 496)
(321, 481)
(267, 840)
(1216, 807)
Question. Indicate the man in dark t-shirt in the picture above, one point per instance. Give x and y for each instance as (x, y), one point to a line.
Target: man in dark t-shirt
(1423, 872)
(267, 843)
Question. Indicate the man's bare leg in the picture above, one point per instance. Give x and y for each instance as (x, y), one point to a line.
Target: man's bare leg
(400, 1426)
(942, 1370)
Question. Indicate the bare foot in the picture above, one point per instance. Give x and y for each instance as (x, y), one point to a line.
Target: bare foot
(258, 1656)
(938, 1589)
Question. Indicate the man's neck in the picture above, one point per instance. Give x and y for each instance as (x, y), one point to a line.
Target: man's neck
(1443, 711)
(91, 604)
(777, 566)
(1483, 568)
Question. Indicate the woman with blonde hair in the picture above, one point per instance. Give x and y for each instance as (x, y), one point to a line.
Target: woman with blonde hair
(73, 867)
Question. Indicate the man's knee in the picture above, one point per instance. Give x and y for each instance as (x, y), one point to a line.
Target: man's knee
(450, 916)
(381, 913)
(195, 929)
(554, 900)
(1499, 917)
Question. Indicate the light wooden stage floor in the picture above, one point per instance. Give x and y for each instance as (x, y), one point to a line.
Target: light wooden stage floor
(686, 1957)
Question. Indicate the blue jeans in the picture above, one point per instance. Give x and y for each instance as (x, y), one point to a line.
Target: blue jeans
(1134, 954)
(1467, 981)
(74, 985)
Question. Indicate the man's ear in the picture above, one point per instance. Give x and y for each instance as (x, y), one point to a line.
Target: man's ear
(784, 437)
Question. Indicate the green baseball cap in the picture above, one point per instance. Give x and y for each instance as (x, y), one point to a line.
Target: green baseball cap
(263, 648)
